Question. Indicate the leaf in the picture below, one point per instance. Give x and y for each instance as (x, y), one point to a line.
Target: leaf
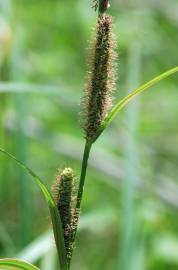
(15, 264)
(122, 103)
(20, 87)
(56, 221)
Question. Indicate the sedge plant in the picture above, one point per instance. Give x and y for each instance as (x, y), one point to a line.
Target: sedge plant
(64, 201)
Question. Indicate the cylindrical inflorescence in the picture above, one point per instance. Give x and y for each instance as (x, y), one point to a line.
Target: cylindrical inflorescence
(101, 78)
(64, 192)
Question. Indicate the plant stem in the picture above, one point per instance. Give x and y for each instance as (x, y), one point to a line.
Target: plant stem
(82, 178)
(103, 5)
(83, 173)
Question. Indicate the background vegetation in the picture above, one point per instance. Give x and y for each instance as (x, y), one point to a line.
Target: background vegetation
(130, 206)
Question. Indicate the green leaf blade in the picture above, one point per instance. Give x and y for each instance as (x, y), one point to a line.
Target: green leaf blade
(123, 102)
(56, 221)
(14, 264)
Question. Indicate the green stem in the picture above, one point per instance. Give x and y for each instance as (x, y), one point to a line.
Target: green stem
(103, 5)
(82, 178)
(83, 173)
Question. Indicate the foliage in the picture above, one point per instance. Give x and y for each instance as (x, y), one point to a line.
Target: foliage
(47, 136)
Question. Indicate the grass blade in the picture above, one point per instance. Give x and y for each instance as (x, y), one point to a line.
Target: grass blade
(123, 102)
(128, 231)
(56, 221)
(15, 264)
(22, 87)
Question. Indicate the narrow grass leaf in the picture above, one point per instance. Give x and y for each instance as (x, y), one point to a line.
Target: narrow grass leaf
(14, 264)
(56, 221)
(123, 102)
(21, 87)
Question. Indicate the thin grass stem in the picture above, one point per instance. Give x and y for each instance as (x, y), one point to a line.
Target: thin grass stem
(83, 173)
(82, 180)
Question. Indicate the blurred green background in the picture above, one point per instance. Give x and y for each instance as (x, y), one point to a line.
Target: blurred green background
(130, 205)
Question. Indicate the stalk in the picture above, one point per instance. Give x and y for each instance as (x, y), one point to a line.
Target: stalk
(94, 112)
(96, 99)
(86, 154)
(83, 173)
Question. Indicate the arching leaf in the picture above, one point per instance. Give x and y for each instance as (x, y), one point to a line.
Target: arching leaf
(14, 264)
(123, 102)
(56, 221)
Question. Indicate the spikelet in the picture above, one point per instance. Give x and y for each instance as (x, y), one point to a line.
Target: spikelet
(101, 78)
(64, 192)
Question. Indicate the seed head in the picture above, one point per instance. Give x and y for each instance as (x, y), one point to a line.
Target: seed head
(64, 193)
(101, 78)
